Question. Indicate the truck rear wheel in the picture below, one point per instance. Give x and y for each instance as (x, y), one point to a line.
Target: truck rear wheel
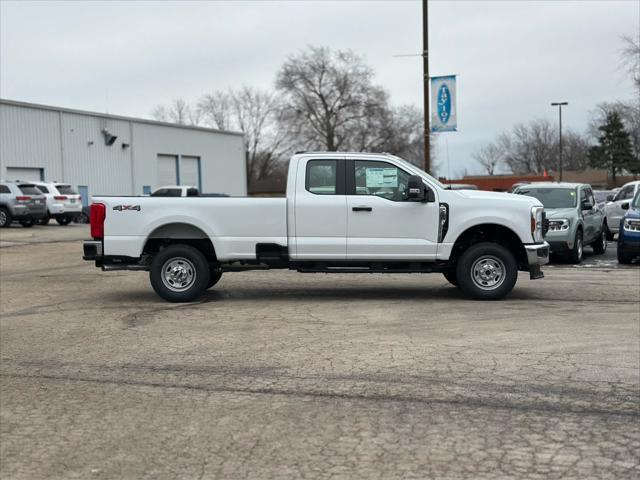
(214, 276)
(179, 273)
(487, 271)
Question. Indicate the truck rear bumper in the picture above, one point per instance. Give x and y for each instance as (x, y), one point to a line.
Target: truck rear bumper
(92, 250)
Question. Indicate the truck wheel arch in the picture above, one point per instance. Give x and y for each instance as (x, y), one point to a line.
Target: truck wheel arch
(489, 232)
(179, 233)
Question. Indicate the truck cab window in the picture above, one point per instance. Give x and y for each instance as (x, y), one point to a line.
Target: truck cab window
(381, 179)
(322, 177)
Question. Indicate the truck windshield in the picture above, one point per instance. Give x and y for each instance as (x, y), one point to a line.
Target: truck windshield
(552, 197)
(418, 171)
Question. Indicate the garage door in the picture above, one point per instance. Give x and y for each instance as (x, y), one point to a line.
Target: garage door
(190, 171)
(167, 172)
(19, 173)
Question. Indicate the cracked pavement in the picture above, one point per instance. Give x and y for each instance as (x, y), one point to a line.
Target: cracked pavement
(286, 375)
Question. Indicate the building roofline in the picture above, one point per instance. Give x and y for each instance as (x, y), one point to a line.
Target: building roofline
(16, 103)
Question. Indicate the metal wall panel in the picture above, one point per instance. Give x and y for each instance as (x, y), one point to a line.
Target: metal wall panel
(89, 161)
(33, 136)
(167, 171)
(24, 173)
(222, 156)
(190, 171)
(30, 137)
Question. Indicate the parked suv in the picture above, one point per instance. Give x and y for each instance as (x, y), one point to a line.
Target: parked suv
(63, 203)
(629, 231)
(614, 209)
(575, 219)
(22, 202)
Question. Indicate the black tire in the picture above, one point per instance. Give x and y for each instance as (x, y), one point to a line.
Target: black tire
(214, 276)
(5, 218)
(26, 223)
(487, 271)
(575, 254)
(623, 257)
(450, 275)
(600, 245)
(44, 220)
(190, 273)
(609, 234)
(64, 221)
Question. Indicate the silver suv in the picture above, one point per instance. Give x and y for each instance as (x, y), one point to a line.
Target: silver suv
(575, 218)
(63, 202)
(22, 202)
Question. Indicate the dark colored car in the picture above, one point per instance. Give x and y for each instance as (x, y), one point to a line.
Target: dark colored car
(629, 232)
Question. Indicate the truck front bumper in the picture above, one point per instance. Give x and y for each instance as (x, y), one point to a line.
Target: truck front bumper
(537, 255)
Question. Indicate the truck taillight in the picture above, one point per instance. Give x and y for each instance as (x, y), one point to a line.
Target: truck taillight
(60, 197)
(97, 214)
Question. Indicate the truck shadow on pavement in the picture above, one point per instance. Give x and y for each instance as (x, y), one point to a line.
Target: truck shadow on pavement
(316, 293)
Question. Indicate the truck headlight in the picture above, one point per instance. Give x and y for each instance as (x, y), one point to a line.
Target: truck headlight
(631, 225)
(558, 224)
(536, 224)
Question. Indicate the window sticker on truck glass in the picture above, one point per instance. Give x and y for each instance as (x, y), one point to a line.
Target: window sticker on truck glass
(381, 177)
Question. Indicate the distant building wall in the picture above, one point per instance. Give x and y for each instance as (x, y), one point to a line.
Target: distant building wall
(69, 146)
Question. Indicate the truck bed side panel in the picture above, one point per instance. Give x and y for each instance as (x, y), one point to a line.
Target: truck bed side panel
(234, 225)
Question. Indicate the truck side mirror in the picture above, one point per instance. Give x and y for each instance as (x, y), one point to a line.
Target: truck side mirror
(609, 198)
(625, 206)
(416, 189)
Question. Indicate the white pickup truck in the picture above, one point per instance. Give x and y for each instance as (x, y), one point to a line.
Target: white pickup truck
(344, 212)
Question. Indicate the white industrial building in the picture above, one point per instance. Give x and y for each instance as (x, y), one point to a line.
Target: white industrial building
(102, 154)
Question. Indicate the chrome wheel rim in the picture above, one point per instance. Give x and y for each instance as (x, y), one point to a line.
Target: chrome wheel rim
(488, 272)
(178, 274)
(604, 241)
(579, 247)
(3, 218)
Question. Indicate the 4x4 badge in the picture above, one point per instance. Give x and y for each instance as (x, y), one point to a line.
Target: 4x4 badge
(121, 208)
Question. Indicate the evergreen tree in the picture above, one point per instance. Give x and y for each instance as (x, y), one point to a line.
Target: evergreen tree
(613, 151)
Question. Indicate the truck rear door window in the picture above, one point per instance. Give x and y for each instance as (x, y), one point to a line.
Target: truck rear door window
(322, 177)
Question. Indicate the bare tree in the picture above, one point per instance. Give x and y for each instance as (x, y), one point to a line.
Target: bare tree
(490, 157)
(178, 111)
(329, 96)
(215, 109)
(256, 114)
(630, 57)
(530, 148)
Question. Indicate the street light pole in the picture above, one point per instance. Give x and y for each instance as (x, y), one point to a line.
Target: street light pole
(425, 67)
(560, 105)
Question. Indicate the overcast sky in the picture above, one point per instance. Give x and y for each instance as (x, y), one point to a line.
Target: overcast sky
(512, 57)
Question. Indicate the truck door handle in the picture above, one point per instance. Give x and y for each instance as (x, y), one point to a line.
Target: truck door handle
(362, 209)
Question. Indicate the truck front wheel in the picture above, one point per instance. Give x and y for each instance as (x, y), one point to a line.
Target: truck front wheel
(450, 275)
(179, 273)
(487, 271)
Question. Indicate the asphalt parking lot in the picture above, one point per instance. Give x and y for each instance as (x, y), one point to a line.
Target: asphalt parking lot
(284, 375)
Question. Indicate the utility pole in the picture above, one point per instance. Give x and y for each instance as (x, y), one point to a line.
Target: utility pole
(425, 66)
(560, 105)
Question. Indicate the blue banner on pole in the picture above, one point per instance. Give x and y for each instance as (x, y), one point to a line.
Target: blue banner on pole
(444, 115)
